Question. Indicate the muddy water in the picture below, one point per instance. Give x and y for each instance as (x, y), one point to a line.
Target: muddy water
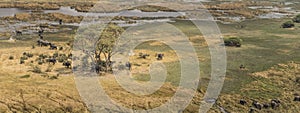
(10, 11)
(8, 27)
(69, 11)
(274, 13)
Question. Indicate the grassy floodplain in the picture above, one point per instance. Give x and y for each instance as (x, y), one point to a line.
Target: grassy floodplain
(269, 52)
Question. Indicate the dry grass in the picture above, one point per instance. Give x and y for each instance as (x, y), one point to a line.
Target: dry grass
(60, 95)
(279, 82)
(24, 90)
(141, 65)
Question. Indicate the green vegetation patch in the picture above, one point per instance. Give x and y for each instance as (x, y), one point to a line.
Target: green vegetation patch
(25, 76)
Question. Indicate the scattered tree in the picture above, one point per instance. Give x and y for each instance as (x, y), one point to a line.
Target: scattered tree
(96, 44)
(107, 42)
(233, 42)
(297, 19)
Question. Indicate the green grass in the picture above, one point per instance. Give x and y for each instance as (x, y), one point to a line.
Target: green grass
(263, 56)
(147, 46)
(266, 90)
(187, 27)
(261, 42)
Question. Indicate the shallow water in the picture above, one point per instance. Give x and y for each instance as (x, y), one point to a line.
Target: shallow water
(273, 15)
(68, 11)
(10, 11)
(32, 27)
(129, 13)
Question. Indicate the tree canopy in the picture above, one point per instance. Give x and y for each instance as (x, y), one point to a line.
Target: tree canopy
(297, 19)
(106, 43)
(98, 42)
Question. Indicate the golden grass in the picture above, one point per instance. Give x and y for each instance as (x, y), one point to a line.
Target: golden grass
(39, 92)
(60, 95)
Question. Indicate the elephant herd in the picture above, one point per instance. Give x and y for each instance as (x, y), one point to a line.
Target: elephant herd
(255, 105)
(159, 56)
(46, 43)
(65, 62)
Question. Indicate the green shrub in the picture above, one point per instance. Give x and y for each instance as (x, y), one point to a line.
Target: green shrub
(70, 55)
(49, 68)
(45, 75)
(33, 47)
(62, 55)
(29, 55)
(40, 62)
(55, 55)
(68, 109)
(25, 76)
(22, 61)
(11, 57)
(233, 41)
(298, 80)
(53, 77)
(23, 58)
(36, 69)
(297, 19)
(62, 59)
(38, 59)
(137, 65)
(288, 24)
(43, 56)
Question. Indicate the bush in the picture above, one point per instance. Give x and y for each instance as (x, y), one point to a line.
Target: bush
(29, 55)
(43, 56)
(61, 48)
(22, 61)
(40, 62)
(62, 59)
(298, 80)
(68, 109)
(24, 58)
(25, 76)
(64, 55)
(297, 19)
(137, 65)
(45, 75)
(11, 57)
(233, 42)
(37, 69)
(53, 77)
(49, 68)
(70, 55)
(55, 55)
(288, 24)
(33, 47)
